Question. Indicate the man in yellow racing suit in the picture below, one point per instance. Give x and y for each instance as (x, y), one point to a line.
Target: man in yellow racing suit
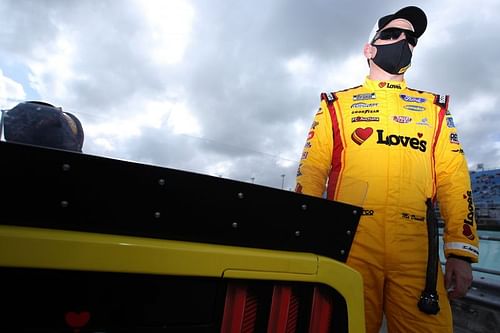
(403, 144)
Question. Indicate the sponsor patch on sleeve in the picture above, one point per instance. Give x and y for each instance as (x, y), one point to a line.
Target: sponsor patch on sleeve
(463, 247)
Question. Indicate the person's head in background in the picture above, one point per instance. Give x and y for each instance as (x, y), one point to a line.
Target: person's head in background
(42, 124)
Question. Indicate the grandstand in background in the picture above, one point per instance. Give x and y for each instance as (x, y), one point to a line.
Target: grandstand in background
(486, 194)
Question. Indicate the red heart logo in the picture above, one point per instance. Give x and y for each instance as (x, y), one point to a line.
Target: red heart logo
(77, 320)
(361, 134)
(382, 84)
(420, 135)
(468, 232)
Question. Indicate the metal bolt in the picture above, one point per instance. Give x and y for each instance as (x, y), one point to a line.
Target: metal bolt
(66, 167)
(240, 195)
(348, 232)
(64, 204)
(355, 212)
(297, 233)
(342, 252)
(161, 182)
(234, 225)
(157, 215)
(304, 207)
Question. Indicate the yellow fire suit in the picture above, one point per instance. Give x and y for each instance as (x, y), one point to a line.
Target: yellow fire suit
(403, 144)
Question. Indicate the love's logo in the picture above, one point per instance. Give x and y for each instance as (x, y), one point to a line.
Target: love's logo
(361, 134)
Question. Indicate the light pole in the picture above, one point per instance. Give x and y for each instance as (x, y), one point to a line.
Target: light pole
(282, 181)
(252, 179)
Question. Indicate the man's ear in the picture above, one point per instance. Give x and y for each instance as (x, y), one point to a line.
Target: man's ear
(369, 51)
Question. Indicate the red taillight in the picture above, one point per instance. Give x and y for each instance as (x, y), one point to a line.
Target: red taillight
(321, 312)
(251, 307)
(284, 310)
(240, 310)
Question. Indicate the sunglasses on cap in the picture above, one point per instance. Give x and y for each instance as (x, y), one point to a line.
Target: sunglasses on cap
(394, 33)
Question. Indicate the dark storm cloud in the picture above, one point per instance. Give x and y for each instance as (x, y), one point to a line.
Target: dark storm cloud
(194, 154)
(238, 84)
(108, 58)
(238, 64)
(461, 60)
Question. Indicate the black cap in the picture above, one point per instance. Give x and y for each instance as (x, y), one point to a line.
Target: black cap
(414, 15)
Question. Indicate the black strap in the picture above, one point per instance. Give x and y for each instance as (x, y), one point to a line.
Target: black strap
(1, 125)
(429, 299)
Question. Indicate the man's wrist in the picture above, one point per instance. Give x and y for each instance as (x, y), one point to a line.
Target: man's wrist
(467, 259)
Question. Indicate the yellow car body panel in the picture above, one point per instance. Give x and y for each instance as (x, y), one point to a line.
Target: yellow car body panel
(27, 247)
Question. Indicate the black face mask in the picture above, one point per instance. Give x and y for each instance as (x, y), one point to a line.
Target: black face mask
(393, 58)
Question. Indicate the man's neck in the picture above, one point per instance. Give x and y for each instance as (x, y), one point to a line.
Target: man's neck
(378, 74)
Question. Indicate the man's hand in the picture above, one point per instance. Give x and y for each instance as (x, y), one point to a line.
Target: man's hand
(458, 277)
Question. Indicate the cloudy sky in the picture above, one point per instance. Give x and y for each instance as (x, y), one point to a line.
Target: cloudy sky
(229, 88)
